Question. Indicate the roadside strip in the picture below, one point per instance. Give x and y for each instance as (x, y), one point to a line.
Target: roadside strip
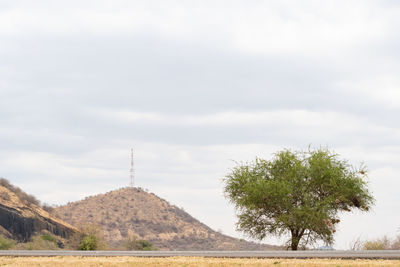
(335, 254)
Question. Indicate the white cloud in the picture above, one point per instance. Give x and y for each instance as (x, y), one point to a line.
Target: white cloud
(277, 27)
(304, 118)
(314, 28)
(384, 89)
(300, 122)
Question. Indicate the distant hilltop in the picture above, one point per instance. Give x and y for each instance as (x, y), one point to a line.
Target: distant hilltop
(133, 212)
(121, 215)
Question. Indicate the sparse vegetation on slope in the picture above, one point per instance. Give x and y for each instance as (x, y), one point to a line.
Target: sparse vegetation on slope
(129, 218)
(134, 213)
(23, 197)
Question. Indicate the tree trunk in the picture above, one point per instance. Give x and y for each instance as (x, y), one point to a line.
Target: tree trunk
(295, 243)
(296, 236)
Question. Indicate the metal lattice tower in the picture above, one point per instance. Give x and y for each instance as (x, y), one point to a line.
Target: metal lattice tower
(132, 172)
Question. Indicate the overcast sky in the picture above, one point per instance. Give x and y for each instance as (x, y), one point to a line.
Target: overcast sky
(193, 86)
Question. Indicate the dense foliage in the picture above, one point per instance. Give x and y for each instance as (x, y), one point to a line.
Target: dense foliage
(296, 193)
(89, 242)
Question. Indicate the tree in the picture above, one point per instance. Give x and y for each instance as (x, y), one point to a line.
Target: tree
(298, 193)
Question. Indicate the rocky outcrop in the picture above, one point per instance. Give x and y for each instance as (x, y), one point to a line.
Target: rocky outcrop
(19, 220)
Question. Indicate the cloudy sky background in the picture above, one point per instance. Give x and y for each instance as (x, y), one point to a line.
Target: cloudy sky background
(193, 86)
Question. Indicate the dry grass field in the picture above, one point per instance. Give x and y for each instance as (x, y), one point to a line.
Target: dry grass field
(183, 261)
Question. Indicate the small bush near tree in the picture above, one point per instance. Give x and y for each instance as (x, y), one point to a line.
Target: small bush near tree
(383, 243)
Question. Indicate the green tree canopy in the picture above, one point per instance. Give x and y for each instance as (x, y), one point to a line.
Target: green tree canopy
(297, 193)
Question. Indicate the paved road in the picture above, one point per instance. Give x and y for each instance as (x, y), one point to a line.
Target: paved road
(370, 254)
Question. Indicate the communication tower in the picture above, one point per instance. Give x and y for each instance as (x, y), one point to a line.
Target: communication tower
(132, 171)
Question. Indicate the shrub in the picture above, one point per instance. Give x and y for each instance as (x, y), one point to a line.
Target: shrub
(88, 242)
(396, 243)
(357, 244)
(89, 237)
(383, 243)
(6, 243)
(5, 196)
(49, 238)
(135, 244)
(48, 208)
(40, 242)
(374, 245)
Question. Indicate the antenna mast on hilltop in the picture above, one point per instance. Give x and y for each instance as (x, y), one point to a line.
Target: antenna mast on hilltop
(132, 172)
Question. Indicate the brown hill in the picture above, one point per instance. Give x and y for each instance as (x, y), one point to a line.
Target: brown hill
(132, 212)
(21, 216)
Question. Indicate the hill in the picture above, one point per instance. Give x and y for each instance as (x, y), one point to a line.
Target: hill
(135, 213)
(21, 216)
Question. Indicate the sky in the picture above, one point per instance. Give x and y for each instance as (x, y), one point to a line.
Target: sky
(193, 87)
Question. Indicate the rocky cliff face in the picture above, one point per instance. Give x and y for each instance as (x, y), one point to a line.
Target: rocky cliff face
(20, 220)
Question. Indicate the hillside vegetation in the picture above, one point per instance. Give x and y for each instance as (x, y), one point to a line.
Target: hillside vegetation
(23, 197)
(128, 218)
(132, 213)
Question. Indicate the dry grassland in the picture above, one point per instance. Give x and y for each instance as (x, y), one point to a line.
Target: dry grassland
(183, 261)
